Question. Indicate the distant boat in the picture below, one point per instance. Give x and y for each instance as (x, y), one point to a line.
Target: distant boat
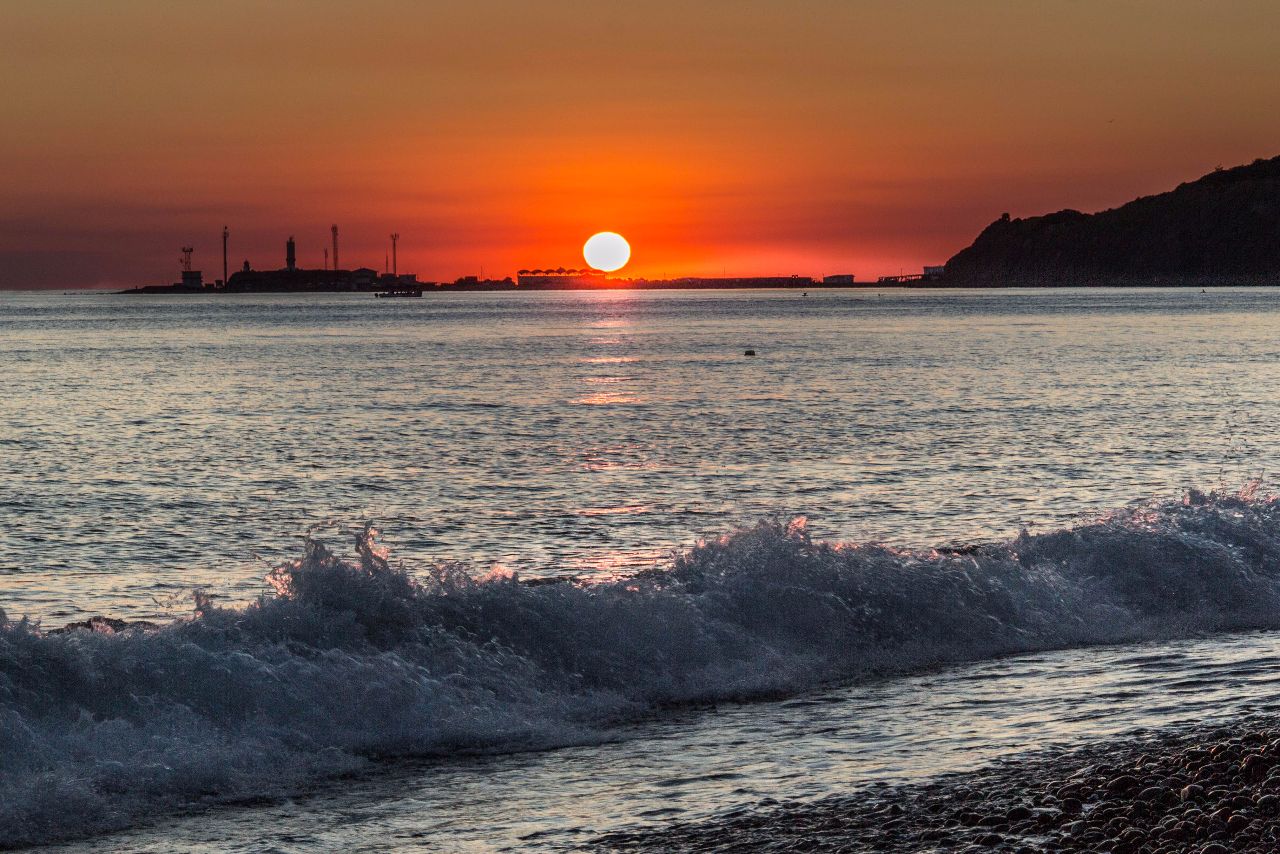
(400, 292)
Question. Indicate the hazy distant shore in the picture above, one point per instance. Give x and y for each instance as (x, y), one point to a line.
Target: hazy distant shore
(1210, 789)
(940, 284)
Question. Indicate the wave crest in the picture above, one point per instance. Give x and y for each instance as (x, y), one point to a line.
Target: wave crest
(356, 659)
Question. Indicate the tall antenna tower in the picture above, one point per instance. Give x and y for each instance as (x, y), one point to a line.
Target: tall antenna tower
(395, 236)
(326, 257)
(186, 258)
(225, 234)
(334, 229)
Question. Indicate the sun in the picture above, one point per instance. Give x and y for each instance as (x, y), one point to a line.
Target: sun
(607, 251)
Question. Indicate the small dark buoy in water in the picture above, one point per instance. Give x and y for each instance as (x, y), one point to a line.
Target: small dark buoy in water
(748, 352)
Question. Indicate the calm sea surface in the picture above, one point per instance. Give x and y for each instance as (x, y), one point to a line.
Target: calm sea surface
(149, 445)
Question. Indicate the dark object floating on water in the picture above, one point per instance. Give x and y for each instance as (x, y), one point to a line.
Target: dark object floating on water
(748, 352)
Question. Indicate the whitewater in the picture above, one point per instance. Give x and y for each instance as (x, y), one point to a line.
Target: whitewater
(355, 661)
(620, 573)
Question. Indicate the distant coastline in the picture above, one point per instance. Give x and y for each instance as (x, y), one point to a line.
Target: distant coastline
(1221, 230)
(802, 284)
(316, 281)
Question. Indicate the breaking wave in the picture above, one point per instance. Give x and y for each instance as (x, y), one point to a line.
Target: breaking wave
(355, 660)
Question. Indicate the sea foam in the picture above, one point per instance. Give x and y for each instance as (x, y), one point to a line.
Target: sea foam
(356, 660)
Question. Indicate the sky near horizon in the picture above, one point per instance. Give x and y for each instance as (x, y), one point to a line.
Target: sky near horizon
(719, 136)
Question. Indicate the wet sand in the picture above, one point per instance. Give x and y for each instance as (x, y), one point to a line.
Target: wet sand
(1207, 790)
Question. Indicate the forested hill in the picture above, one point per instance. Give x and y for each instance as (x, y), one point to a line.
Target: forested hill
(1224, 227)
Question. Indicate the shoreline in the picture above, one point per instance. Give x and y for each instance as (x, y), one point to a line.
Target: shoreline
(936, 284)
(1207, 788)
(863, 288)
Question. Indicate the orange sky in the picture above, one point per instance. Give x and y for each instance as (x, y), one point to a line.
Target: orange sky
(791, 136)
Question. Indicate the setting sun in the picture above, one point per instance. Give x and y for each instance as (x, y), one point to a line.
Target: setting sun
(607, 251)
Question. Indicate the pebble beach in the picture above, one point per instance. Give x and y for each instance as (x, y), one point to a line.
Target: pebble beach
(1205, 790)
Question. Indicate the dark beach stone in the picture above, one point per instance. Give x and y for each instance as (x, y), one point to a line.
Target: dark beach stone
(1256, 767)
(1210, 771)
(1132, 835)
(1047, 816)
(1236, 823)
(1155, 794)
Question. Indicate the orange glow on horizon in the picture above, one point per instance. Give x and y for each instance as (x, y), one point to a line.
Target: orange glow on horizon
(860, 138)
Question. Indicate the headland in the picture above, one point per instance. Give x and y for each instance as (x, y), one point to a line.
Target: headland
(1221, 229)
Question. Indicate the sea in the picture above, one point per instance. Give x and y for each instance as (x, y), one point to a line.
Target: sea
(502, 571)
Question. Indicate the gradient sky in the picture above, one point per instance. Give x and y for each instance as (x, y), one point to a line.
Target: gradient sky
(790, 136)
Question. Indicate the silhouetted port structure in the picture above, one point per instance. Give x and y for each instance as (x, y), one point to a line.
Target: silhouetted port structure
(191, 279)
(561, 279)
(289, 278)
(294, 279)
(929, 274)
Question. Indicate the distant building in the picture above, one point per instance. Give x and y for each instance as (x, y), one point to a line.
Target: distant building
(192, 279)
(928, 274)
(404, 280)
(561, 278)
(792, 281)
(838, 279)
(294, 278)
